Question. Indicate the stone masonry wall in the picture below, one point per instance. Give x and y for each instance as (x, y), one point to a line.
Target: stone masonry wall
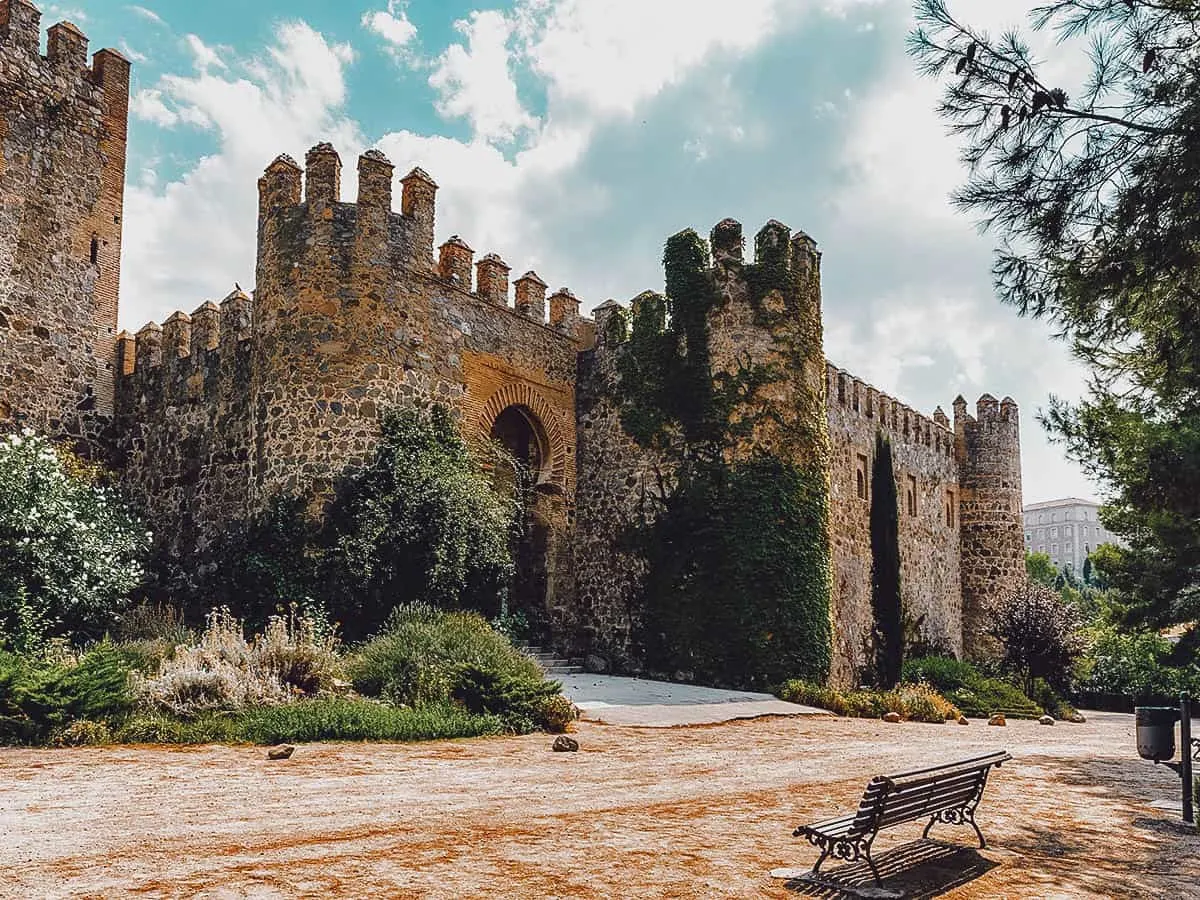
(184, 422)
(988, 446)
(62, 170)
(224, 409)
(923, 455)
(620, 484)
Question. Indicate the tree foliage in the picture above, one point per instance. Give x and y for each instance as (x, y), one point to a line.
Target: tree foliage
(421, 523)
(888, 632)
(1040, 568)
(1040, 634)
(1093, 199)
(70, 550)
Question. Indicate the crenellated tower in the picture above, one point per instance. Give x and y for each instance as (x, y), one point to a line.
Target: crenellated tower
(63, 123)
(340, 315)
(991, 533)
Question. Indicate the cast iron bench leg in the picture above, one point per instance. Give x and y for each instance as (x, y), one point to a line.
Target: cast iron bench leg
(871, 862)
(955, 817)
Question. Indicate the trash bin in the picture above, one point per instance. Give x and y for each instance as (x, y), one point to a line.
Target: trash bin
(1156, 731)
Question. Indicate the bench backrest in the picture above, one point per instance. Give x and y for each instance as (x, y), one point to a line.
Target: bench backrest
(903, 797)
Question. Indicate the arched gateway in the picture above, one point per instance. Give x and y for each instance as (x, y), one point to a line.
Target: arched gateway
(523, 423)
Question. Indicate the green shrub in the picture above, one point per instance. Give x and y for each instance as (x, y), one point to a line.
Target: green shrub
(361, 720)
(37, 698)
(421, 524)
(159, 728)
(556, 714)
(418, 657)
(974, 693)
(70, 551)
(518, 700)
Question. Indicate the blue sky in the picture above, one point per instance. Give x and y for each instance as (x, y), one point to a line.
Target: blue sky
(574, 136)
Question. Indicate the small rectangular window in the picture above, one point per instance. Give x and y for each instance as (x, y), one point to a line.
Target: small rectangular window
(95, 250)
(912, 495)
(949, 509)
(860, 477)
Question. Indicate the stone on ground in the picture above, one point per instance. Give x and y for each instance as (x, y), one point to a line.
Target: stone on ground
(1046, 720)
(283, 751)
(564, 744)
(891, 717)
(997, 719)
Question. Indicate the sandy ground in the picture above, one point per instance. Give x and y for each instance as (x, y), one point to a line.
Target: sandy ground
(684, 812)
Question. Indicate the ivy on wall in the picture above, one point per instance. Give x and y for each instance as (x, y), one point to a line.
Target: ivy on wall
(737, 588)
(888, 632)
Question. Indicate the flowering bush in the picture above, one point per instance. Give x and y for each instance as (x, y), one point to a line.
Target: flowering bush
(70, 550)
(224, 671)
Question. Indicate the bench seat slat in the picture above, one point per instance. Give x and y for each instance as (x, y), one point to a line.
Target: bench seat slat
(833, 828)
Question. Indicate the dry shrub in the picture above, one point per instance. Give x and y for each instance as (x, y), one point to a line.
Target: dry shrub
(224, 671)
(556, 714)
(916, 702)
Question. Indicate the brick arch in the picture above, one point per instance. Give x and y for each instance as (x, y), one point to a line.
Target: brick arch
(521, 394)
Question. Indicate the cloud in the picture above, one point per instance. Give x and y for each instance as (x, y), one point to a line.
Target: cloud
(131, 54)
(204, 56)
(149, 106)
(475, 81)
(283, 100)
(392, 25)
(147, 14)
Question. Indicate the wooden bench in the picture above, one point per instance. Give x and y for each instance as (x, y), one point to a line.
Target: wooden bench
(947, 794)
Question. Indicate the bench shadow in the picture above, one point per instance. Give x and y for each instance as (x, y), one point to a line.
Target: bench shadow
(915, 870)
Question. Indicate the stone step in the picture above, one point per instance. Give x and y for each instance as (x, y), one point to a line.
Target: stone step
(564, 670)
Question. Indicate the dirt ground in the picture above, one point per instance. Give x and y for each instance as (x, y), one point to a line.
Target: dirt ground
(684, 812)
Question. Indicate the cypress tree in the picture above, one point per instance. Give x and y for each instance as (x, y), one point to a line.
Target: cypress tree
(885, 567)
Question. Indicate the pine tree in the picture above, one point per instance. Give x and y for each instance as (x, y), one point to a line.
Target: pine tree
(885, 567)
(1093, 199)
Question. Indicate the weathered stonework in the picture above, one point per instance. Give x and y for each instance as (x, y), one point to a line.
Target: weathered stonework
(927, 486)
(988, 448)
(62, 177)
(215, 412)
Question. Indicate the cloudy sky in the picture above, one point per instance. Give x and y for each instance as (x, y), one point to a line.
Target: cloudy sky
(574, 136)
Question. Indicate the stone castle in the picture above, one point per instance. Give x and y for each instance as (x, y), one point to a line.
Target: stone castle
(209, 415)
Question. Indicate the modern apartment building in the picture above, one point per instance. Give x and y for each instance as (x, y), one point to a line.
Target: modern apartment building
(1065, 530)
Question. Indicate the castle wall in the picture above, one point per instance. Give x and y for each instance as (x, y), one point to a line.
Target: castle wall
(184, 420)
(282, 394)
(620, 485)
(992, 546)
(924, 458)
(62, 170)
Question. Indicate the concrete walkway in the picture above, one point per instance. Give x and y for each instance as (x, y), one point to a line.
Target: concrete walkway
(612, 700)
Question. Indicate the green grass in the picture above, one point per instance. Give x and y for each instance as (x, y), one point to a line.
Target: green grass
(310, 720)
(359, 720)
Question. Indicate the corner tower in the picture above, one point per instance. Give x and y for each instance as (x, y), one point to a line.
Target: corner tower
(340, 316)
(991, 533)
(63, 131)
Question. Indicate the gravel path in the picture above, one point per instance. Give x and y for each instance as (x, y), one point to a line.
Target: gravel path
(683, 812)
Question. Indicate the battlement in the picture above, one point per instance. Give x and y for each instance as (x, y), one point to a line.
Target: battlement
(789, 256)
(64, 68)
(854, 397)
(170, 362)
(301, 213)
